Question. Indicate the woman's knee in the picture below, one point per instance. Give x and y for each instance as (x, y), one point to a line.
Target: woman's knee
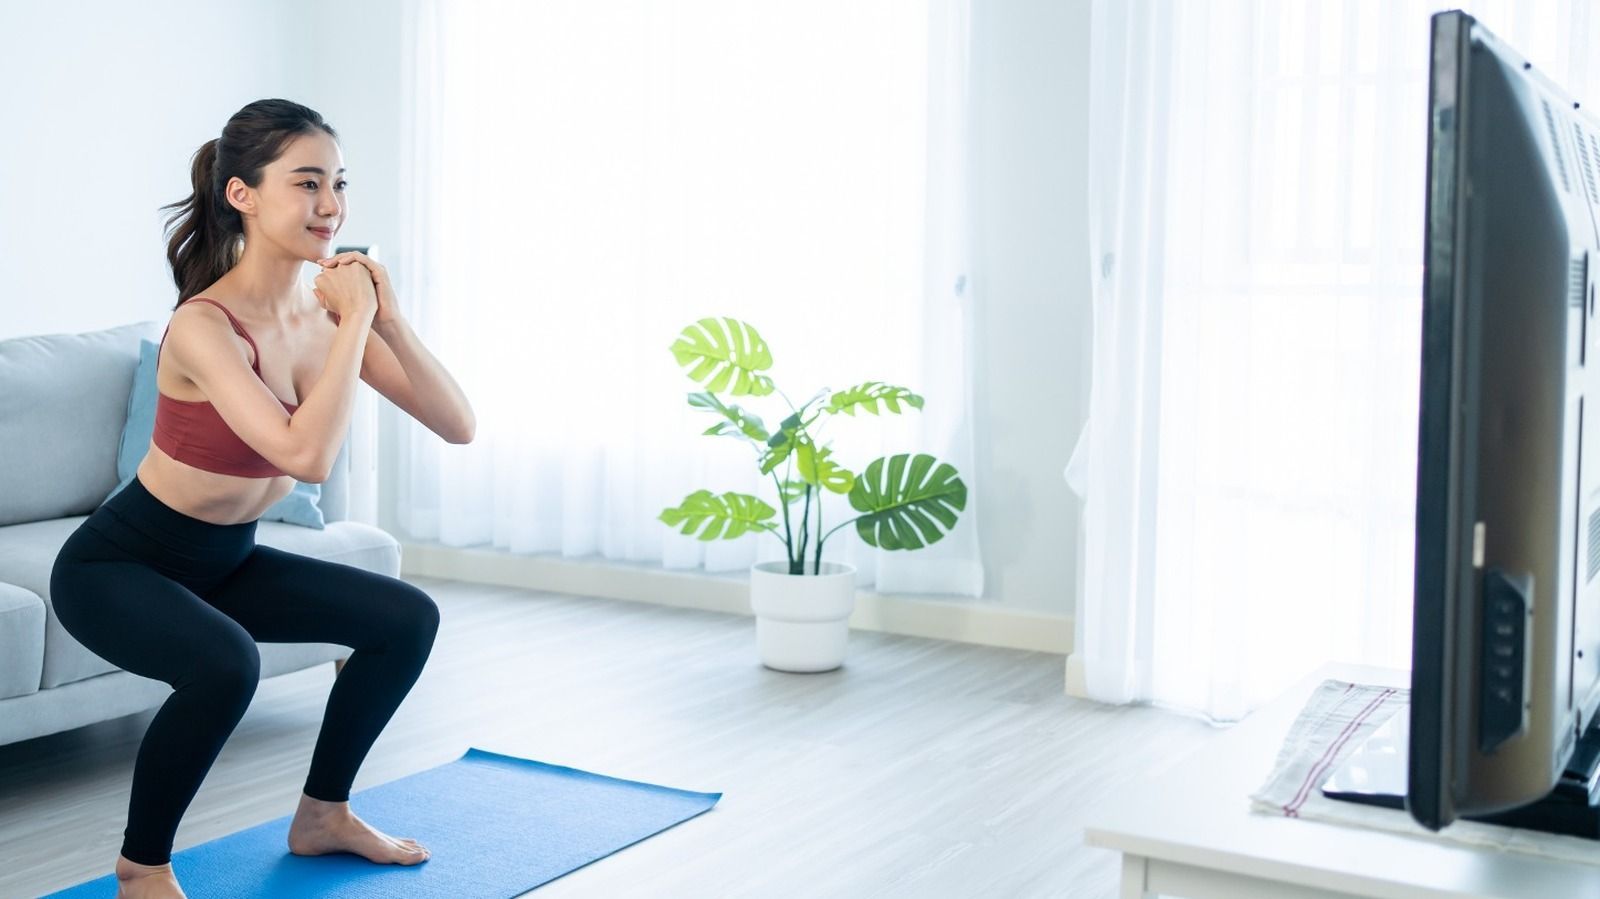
(415, 615)
(232, 667)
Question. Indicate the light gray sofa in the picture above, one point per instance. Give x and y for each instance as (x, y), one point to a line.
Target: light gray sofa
(63, 401)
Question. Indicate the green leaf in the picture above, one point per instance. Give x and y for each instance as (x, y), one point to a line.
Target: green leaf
(727, 517)
(740, 421)
(868, 395)
(792, 492)
(722, 351)
(805, 461)
(911, 502)
(786, 430)
(836, 478)
(817, 470)
(775, 456)
(781, 443)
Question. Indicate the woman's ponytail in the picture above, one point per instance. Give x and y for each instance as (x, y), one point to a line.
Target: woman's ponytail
(207, 238)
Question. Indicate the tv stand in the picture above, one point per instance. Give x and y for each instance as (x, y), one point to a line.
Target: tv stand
(1188, 830)
(1379, 767)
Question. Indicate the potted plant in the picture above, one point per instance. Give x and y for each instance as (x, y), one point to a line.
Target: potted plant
(803, 605)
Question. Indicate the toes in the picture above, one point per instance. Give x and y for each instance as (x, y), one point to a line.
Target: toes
(409, 848)
(415, 856)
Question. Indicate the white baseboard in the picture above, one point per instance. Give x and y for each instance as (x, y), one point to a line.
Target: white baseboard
(1076, 685)
(934, 617)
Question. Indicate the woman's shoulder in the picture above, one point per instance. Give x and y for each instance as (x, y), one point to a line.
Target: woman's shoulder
(202, 312)
(214, 305)
(192, 327)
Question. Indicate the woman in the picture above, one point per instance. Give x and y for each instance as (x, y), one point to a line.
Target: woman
(255, 380)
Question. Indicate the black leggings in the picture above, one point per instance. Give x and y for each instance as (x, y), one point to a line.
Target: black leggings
(175, 598)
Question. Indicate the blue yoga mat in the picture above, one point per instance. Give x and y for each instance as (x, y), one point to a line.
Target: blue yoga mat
(497, 826)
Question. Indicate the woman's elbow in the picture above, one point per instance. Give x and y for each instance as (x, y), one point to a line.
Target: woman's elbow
(463, 432)
(310, 475)
(313, 470)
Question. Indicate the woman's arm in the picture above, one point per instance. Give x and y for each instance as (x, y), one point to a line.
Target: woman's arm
(322, 419)
(202, 343)
(398, 366)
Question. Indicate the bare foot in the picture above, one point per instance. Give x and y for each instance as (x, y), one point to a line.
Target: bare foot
(136, 881)
(323, 827)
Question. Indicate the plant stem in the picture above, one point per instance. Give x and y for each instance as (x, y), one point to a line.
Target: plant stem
(819, 531)
(788, 467)
(805, 533)
(788, 536)
(843, 524)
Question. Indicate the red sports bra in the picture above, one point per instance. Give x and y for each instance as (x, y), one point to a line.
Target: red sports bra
(192, 432)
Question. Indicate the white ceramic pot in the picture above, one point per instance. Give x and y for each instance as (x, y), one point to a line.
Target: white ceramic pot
(802, 620)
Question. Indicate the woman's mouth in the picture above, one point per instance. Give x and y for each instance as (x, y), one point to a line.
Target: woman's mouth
(324, 233)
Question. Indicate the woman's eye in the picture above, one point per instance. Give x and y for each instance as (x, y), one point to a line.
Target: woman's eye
(341, 186)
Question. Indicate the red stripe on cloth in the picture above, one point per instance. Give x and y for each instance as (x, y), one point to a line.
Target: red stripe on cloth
(1326, 761)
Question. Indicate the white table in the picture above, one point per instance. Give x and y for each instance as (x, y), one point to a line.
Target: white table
(1189, 832)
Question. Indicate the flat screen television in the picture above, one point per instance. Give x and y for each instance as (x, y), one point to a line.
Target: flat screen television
(1505, 676)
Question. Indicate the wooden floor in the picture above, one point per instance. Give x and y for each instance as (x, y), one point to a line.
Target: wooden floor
(922, 768)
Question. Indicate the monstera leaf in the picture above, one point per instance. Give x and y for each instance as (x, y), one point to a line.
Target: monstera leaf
(909, 502)
(725, 517)
(789, 435)
(867, 396)
(816, 470)
(740, 421)
(781, 443)
(792, 492)
(722, 351)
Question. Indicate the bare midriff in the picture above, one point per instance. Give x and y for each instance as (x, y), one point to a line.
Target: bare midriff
(206, 495)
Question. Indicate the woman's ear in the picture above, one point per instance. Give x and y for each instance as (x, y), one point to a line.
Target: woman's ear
(240, 196)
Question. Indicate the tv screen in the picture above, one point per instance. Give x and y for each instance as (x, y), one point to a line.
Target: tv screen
(1506, 619)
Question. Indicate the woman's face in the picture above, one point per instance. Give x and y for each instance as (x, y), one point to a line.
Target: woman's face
(301, 190)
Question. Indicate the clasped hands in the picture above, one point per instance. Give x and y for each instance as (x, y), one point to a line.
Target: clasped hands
(388, 304)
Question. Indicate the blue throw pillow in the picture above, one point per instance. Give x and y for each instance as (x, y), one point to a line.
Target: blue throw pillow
(299, 507)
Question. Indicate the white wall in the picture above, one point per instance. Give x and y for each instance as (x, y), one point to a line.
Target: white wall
(353, 53)
(102, 107)
(109, 124)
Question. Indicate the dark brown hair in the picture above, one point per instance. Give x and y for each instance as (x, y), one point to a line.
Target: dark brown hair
(206, 234)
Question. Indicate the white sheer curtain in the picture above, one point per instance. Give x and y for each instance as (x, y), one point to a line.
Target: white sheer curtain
(588, 178)
(1256, 189)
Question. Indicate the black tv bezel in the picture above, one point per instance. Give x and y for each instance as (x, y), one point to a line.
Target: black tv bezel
(1432, 708)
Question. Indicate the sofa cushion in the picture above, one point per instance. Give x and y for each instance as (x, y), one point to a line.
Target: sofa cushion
(21, 641)
(62, 402)
(118, 693)
(28, 553)
(345, 542)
